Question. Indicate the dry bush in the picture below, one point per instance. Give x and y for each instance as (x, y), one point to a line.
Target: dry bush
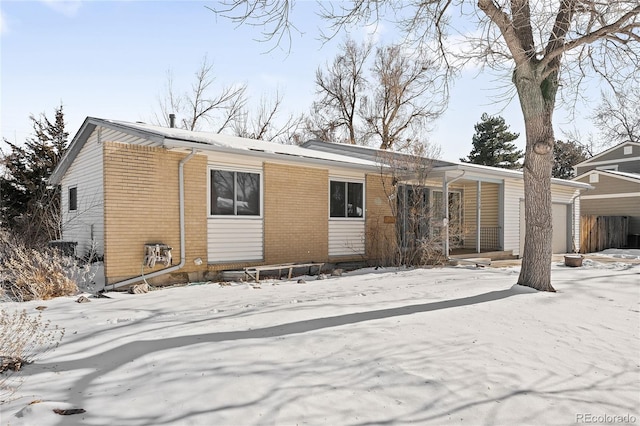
(30, 274)
(23, 338)
(420, 228)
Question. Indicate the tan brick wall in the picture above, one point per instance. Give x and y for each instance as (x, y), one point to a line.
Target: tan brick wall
(142, 206)
(380, 238)
(296, 211)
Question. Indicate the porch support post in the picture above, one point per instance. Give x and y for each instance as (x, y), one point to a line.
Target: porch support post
(445, 200)
(478, 214)
(445, 220)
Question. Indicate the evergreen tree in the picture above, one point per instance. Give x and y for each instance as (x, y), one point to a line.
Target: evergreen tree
(492, 144)
(565, 156)
(30, 207)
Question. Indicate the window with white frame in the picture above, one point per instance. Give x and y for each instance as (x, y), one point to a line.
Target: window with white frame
(346, 199)
(234, 193)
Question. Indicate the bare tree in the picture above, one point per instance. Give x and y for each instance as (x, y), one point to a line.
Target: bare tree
(407, 95)
(218, 107)
(262, 124)
(617, 117)
(545, 47)
(340, 87)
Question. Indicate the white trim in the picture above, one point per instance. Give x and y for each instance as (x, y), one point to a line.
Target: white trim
(242, 169)
(613, 167)
(613, 148)
(608, 173)
(603, 162)
(604, 196)
(364, 198)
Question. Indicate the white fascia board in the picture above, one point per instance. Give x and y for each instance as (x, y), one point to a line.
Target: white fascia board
(620, 145)
(362, 164)
(607, 173)
(482, 171)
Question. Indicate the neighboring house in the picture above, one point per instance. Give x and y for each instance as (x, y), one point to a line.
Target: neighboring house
(223, 202)
(615, 177)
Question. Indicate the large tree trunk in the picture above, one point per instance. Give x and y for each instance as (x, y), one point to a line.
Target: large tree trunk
(537, 102)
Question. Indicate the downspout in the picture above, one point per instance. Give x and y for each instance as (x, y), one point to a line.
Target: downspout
(445, 198)
(183, 255)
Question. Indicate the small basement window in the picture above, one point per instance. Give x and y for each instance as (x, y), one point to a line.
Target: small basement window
(73, 198)
(347, 199)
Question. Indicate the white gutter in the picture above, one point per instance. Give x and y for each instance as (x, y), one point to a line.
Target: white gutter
(183, 255)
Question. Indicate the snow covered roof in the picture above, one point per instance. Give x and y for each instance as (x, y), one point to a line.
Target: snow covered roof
(475, 170)
(313, 151)
(365, 152)
(172, 138)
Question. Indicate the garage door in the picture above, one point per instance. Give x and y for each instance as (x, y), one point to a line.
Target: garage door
(560, 236)
(559, 228)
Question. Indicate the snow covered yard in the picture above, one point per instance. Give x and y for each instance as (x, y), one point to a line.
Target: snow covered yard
(430, 346)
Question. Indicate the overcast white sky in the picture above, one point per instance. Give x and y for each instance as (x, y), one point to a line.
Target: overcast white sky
(109, 59)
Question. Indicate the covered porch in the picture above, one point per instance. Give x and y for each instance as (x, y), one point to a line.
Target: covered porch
(464, 209)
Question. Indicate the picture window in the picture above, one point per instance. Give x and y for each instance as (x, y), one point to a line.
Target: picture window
(235, 193)
(346, 199)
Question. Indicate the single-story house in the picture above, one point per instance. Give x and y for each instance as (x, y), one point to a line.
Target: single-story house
(614, 175)
(223, 202)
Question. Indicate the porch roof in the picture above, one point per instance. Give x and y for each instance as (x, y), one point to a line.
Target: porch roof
(476, 172)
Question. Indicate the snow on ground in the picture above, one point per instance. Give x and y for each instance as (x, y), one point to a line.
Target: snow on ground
(620, 253)
(455, 345)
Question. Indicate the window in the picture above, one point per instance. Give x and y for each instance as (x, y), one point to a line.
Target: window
(235, 193)
(628, 150)
(594, 178)
(346, 199)
(73, 198)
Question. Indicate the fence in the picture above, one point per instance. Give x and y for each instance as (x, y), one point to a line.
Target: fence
(490, 238)
(602, 232)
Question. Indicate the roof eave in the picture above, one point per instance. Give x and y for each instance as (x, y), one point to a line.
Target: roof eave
(87, 127)
(171, 143)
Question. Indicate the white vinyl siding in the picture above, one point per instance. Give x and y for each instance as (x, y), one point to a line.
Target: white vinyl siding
(576, 225)
(513, 192)
(346, 237)
(85, 225)
(235, 239)
(565, 211)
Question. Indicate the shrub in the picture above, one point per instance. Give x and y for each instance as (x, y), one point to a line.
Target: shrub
(31, 274)
(23, 338)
